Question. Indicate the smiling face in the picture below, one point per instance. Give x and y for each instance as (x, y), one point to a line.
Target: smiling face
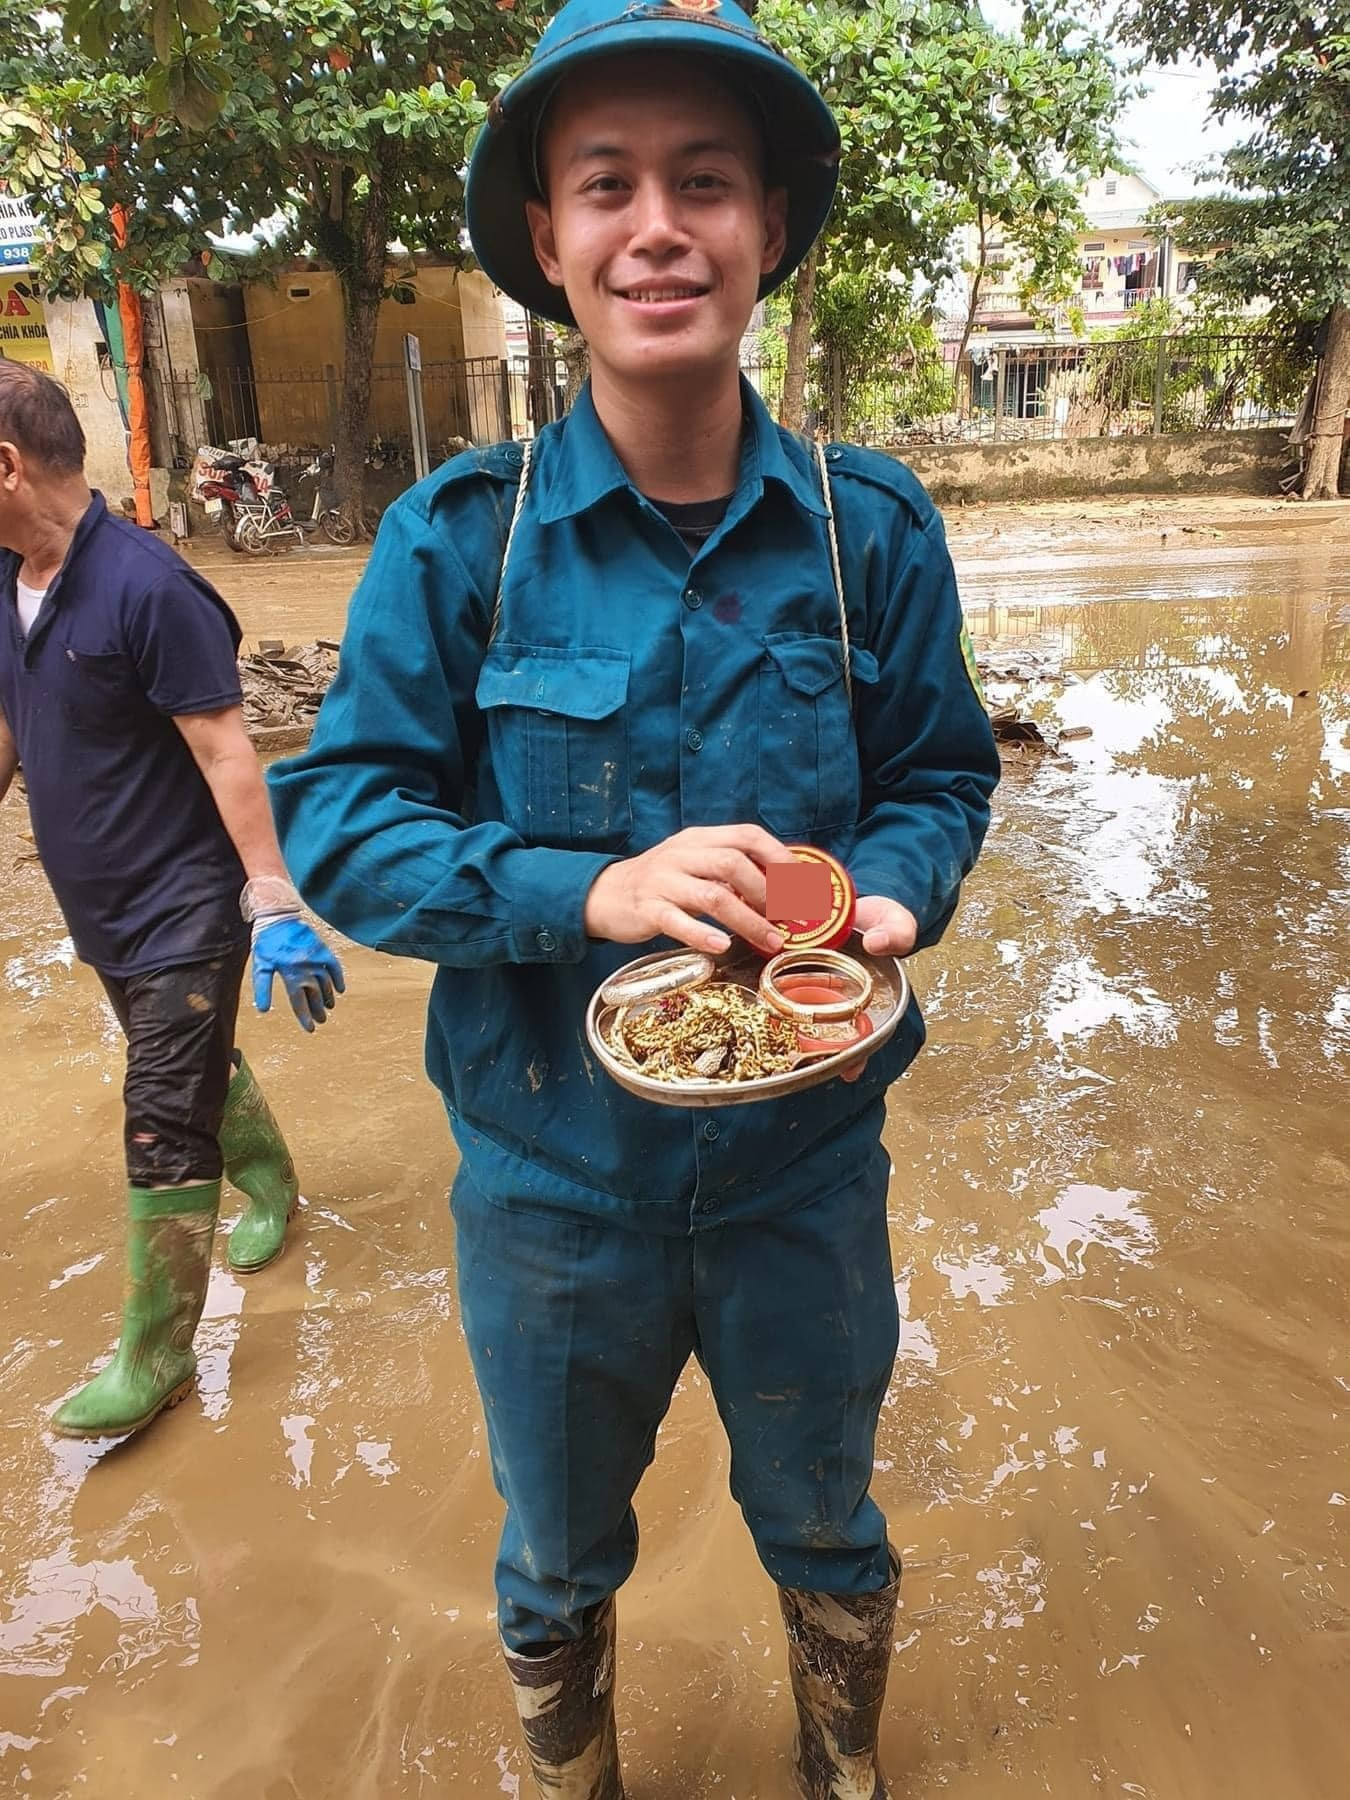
(657, 225)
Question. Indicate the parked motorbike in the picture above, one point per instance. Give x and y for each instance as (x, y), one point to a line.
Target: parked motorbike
(255, 515)
(327, 515)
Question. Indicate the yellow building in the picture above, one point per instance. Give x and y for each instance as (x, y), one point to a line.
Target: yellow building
(265, 359)
(1123, 263)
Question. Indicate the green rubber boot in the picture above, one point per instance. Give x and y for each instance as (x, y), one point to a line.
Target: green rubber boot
(168, 1266)
(259, 1164)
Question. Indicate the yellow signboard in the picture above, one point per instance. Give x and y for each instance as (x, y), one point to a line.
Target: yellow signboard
(23, 323)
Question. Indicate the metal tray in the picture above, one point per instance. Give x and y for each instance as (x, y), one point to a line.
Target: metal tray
(890, 997)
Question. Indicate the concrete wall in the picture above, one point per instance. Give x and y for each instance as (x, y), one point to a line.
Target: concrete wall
(75, 336)
(481, 312)
(297, 360)
(484, 336)
(1208, 462)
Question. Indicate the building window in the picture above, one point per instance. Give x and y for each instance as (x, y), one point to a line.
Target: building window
(1100, 246)
(294, 292)
(1111, 185)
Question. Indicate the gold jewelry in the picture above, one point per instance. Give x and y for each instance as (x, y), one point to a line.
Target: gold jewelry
(832, 971)
(721, 1032)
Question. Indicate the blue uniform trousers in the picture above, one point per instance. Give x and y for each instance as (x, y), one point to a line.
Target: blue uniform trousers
(578, 1333)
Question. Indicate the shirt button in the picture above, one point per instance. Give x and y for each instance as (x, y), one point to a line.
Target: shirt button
(706, 1206)
(694, 739)
(833, 455)
(712, 1131)
(693, 599)
(546, 942)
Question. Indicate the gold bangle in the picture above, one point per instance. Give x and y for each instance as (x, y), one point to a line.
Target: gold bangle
(830, 965)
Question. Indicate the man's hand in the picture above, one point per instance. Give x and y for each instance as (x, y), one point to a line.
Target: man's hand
(310, 973)
(888, 929)
(715, 871)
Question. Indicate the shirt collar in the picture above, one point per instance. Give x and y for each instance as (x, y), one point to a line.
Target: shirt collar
(92, 516)
(584, 469)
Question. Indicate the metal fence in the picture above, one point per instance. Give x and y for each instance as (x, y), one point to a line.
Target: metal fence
(1004, 392)
(467, 401)
(994, 392)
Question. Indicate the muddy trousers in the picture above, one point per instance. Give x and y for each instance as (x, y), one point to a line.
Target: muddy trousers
(579, 1331)
(179, 1025)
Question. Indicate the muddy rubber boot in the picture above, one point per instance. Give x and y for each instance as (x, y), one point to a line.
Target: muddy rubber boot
(565, 1700)
(839, 1655)
(168, 1267)
(258, 1163)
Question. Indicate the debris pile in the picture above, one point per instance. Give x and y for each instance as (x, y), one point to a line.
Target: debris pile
(1013, 676)
(283, 688)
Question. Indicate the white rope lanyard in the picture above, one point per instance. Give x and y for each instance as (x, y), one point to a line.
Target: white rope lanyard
(846, 654)
(526, 452)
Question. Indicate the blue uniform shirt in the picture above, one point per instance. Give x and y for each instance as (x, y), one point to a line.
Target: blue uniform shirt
(128, 635)
(456, 806)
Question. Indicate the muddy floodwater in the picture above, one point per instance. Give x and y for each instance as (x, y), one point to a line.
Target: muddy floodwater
(1114, 1454)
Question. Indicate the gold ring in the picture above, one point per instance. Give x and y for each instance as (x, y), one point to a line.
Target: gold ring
(830, 965)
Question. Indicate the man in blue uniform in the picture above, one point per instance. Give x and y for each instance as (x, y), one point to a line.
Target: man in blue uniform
(586, 711)
(119, 695)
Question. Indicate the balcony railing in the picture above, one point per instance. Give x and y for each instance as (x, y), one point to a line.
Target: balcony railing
(1140, 296)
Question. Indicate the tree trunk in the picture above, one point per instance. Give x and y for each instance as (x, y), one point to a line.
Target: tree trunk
(539, 373)
(361, 277)
(977, 281)
(576, 357)
(792, 412)
(361, 309)
(1321, 476)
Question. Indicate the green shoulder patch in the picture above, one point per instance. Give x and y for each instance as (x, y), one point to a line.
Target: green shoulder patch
(968, 658)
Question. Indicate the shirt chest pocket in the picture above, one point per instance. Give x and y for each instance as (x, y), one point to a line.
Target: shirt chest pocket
(100, 695)
(557, 729)
(809, 780)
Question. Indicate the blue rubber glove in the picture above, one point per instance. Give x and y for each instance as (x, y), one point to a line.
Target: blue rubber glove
(311, 974)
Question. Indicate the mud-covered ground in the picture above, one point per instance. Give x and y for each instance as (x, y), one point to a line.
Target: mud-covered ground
(1115, 1450)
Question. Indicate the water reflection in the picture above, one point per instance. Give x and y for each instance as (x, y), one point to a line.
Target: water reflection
(1112, 1451)
(1084, 1217)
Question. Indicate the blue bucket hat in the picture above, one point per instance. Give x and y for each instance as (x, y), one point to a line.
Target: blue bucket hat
(800, 131)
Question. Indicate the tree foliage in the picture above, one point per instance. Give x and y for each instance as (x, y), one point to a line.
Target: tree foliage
(329, 127)
(191, 79)
(949, 124)
(1278, 227)
(878, 367)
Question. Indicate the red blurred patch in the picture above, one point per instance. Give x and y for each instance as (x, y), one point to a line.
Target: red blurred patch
(798, 893)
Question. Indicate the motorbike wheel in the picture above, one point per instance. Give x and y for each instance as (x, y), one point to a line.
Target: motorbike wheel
(336, 526)
(250, 538)
(229, 530)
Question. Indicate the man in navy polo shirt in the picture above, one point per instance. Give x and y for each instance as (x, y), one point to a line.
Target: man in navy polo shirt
(120, 698)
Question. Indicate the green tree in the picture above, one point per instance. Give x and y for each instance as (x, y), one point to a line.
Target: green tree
(948, 124)
(1280, 228)
(881, 364)
(192, 83)
(321, 126)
